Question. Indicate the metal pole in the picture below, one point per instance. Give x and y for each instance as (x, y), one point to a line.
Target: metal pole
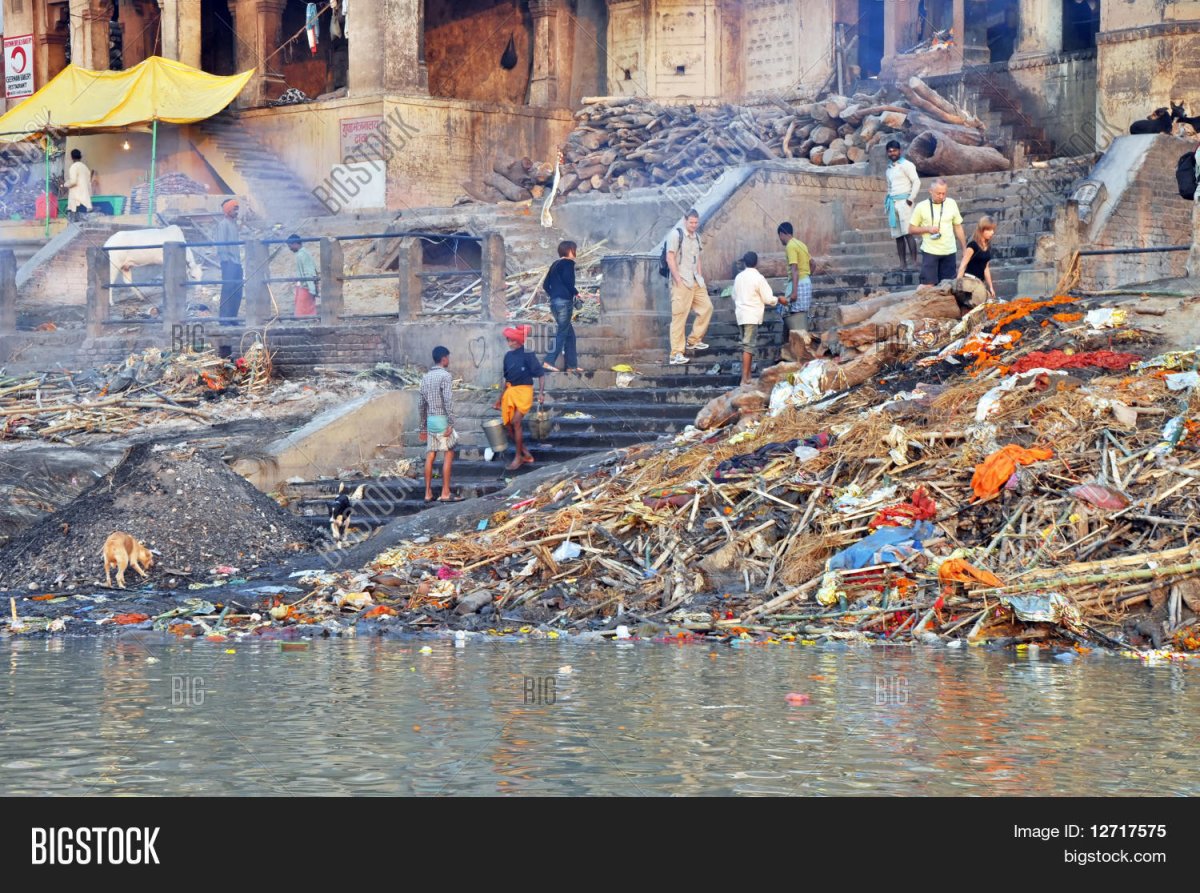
(153, 170)
(46, 145)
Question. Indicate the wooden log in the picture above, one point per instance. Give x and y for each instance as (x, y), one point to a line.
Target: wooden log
(849, 314)
(869, 127)
(584, 186)
(937, 104)
(927, 303)
(861, 113)
(968, 136)
(482, 192)
(506, 187)
(513, 169)
(838, 145)
(893, 119)
(805, 148)
(568, 182)
(823, 135)
(835, 156)
(817, 154)
(856, 154)
(597, 181)
(834, 105)
(937, 155)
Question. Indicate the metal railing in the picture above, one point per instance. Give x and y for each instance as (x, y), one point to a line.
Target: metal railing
(258, 305)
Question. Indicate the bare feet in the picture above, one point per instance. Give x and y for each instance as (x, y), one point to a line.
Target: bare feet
(514, 464)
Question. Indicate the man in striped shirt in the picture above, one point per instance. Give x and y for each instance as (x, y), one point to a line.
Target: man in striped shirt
(437, 422)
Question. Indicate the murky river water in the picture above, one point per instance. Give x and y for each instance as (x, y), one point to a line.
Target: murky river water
(496, 717)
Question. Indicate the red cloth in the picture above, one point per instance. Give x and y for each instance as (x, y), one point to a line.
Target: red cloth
(919, 508)
(306, 304)
(1056, 359)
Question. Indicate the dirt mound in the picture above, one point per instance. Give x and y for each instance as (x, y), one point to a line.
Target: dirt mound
(187, 505)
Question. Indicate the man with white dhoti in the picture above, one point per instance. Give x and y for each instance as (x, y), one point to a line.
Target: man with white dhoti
(903, 187)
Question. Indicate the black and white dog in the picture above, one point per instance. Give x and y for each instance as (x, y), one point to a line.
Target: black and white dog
(340, 510)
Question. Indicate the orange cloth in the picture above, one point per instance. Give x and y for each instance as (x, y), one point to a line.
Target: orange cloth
(956, 569)
(993, 472)
(306, 304)
(516, 398)
(920, 508)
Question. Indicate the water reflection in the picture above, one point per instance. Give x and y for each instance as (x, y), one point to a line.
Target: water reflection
(498, 718)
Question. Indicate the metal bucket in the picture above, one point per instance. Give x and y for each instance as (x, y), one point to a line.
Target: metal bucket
(493, 429)
(540, 423)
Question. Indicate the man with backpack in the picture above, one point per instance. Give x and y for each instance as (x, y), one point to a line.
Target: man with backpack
(689, 293)
(1188, 184)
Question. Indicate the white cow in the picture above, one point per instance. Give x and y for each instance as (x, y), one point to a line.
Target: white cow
(122, 260)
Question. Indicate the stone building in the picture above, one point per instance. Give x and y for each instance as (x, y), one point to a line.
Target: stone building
(471, 78)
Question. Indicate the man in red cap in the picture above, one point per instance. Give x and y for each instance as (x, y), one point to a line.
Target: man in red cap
(230, 257)
(521, 367)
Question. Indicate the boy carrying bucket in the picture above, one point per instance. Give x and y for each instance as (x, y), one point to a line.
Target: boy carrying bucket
(520, 369)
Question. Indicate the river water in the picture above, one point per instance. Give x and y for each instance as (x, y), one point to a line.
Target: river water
(81, 716)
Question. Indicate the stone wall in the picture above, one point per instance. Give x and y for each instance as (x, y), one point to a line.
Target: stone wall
(438, 143)
(820, 206)
(1139, 207)
(1148, 54)
(464, 40)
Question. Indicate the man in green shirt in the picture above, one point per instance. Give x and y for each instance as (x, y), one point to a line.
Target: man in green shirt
(797, 297)
(306, 269)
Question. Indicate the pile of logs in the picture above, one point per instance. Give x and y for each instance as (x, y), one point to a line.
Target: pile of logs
(512, 179)
(863, 325)
(626, 142)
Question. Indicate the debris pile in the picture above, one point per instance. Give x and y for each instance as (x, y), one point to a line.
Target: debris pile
(145, 390)
(629, 142)
(188, 506)
(1026, 476)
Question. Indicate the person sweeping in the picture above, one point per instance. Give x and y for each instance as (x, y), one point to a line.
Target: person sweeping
(521, 367)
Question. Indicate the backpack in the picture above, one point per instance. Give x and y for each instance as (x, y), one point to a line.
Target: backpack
(664, 269)
(1185, 175)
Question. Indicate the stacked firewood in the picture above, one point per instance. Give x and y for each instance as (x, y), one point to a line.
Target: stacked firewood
(512, 179)
(621, 143)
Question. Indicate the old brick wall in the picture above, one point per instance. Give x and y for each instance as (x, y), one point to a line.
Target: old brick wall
(1148, 55)
(464, 40)
(820, 206)
(1146, 213)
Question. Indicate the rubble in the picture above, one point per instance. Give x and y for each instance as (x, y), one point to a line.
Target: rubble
(945, 499)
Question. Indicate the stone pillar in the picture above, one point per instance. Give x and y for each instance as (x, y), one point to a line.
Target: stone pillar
(900, 24)
(547, 87)
(89, 34)
(256, 298)
(98, 294)
(409, 262)
(1041, 29)
(387, 48)
(632, 290)
(970, 30)
(180, 23)
(495, 297)
(174, 290)
(257, 24)
(332, 271)
(8, 292)
(1193, 261)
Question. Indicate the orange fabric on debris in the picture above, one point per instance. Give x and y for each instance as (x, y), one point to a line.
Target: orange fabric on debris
(1067, 317)
(957, 569)
(993, 472)
(380, 611)
(1011, 311)
(919, 508)
(125, 619)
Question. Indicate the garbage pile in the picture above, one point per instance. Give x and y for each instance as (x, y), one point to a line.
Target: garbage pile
(183, 503)
(148, 388)
(1024, 477)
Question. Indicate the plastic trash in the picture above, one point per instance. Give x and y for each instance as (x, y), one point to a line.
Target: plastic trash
(796, 698)
(1100, 496)
(567, 551)
(1183, 381)
(623, 632)
(804, 453)
(1105, 318)
(425, 650)
(460, 639)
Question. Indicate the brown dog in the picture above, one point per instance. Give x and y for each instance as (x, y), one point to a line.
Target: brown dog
(122, 551)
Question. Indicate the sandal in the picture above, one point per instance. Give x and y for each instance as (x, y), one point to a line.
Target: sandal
(549, 368)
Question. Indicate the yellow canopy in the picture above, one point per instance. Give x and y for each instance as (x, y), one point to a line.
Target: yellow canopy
(158, 89)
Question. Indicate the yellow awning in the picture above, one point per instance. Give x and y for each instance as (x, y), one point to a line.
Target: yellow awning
(79, 100)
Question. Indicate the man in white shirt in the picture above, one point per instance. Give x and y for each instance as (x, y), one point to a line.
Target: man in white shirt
(751, 295)
(903, 186)
(79, 187)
